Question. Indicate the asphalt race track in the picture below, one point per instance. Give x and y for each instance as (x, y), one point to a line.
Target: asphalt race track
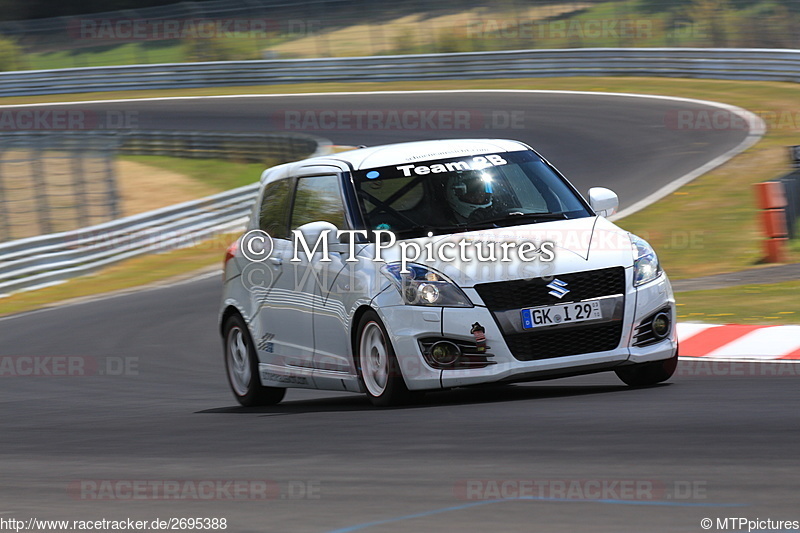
(634, 145)
(151, 404)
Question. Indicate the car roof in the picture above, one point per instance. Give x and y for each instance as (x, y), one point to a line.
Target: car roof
(400, 153)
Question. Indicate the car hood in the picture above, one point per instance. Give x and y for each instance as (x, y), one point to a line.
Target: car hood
(577, 245)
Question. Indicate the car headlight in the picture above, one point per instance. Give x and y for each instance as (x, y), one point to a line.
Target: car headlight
(423, 286)
(645, 262)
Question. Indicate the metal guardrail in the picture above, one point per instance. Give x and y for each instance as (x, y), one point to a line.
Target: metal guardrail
(715, 63)
(49, 259)
(254, 147)
(51, 183)
(65, 180)
(249, 146)
(268, 29)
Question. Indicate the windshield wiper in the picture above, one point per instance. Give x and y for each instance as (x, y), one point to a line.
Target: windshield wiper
(513, 218)
(519, 217)
(423, 231)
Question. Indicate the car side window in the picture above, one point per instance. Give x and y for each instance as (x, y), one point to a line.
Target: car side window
(274, 210)
(318, 198)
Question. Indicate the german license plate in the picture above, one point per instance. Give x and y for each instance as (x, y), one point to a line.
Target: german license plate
(552, 315)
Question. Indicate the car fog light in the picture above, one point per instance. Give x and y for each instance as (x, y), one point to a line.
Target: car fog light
(445, 353)
(661, 325)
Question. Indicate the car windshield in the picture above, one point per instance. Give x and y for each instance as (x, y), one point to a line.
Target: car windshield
(464, 193)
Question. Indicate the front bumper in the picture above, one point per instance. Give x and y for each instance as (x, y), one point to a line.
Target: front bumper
(408, 324)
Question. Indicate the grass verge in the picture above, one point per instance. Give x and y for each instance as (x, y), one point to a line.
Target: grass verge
(217, 173)
(712, 222)
(458, 28)
(148, 269)
(776, 303)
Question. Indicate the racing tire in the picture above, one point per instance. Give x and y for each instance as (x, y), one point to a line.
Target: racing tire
(648, 374)
(377, 364)
(241, 366)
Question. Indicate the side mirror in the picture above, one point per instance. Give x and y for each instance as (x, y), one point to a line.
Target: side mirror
(313, 230)
(603, 201)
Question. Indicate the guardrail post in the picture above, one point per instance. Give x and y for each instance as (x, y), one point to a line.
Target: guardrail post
(6, 229)
(111, 182)
(40, 183)
(79, 184)
(771, 199)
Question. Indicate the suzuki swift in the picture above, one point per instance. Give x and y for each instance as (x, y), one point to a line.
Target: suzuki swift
(432, 265)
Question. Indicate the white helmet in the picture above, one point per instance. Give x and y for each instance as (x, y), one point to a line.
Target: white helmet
(468, 192)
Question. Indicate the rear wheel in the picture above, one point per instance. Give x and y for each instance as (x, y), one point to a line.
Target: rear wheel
(241, 365)
(377, 363)
(647, 374)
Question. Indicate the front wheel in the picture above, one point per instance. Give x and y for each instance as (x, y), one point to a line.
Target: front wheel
(647, 374)
(241, 364)
(377, 363)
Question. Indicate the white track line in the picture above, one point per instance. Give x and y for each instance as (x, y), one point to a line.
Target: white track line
(714, 360)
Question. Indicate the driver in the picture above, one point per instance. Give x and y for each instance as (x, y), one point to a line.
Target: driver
(467, 193)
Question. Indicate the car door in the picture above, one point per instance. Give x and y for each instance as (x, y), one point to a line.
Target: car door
(285, 316)
(320, 199)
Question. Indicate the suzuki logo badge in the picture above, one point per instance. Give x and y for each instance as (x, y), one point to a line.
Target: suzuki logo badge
(559, 288)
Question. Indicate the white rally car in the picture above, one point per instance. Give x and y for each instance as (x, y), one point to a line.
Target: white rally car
(437, 264)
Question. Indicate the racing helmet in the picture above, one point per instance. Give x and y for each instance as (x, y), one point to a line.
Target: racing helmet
(468, 192)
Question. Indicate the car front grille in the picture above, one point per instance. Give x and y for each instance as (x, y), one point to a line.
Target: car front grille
(519, 294)
(561, 343)
(548, 343)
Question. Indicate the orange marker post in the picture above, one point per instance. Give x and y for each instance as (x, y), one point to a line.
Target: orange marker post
(771, 199)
